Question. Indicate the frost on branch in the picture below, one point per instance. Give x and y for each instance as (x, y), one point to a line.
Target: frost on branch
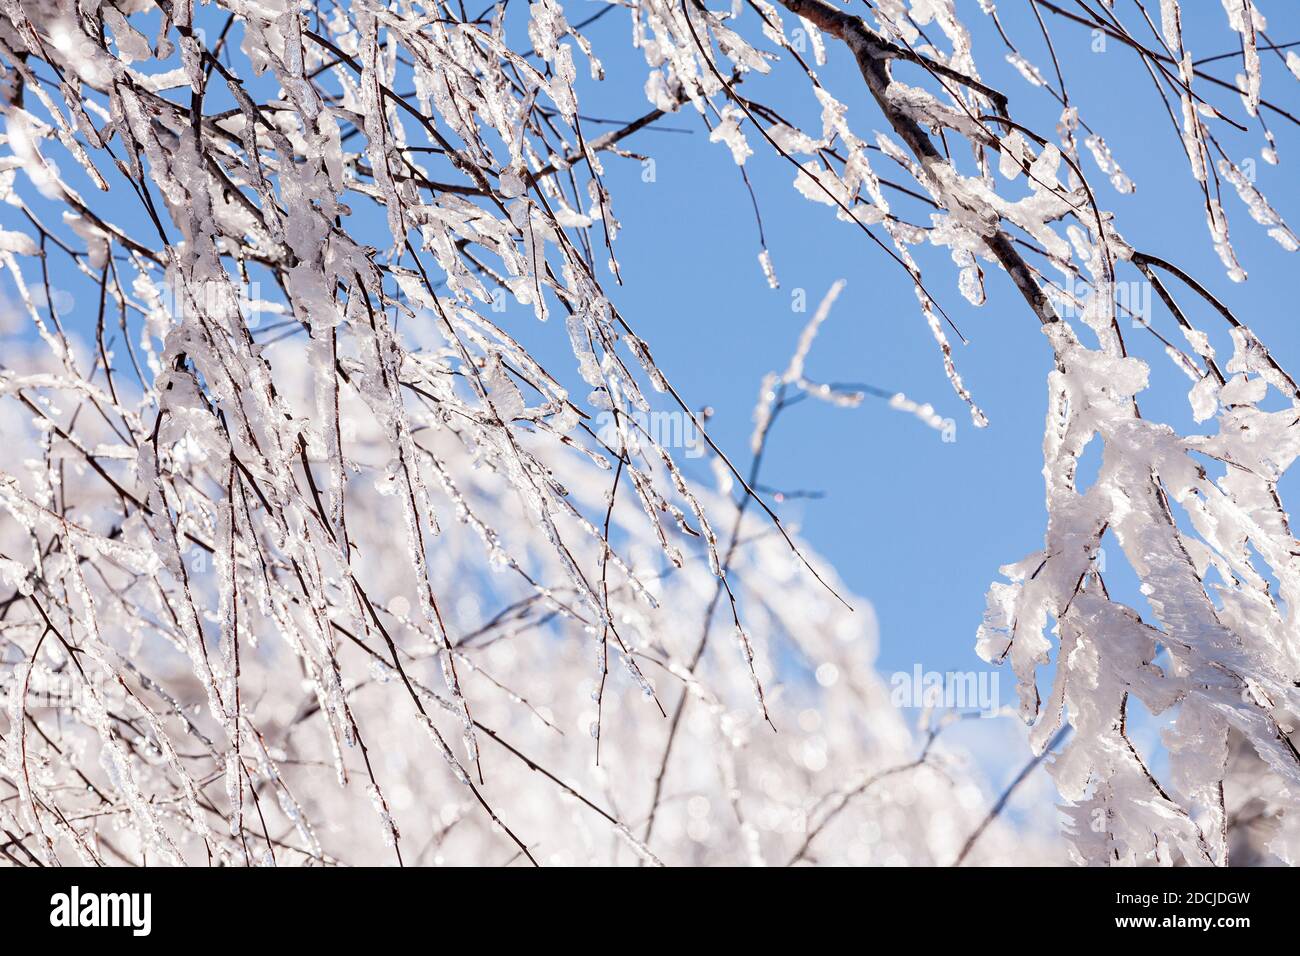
(299, 516)
(292, 508)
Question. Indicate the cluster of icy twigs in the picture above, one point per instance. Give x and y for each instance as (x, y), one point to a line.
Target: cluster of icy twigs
(251, 584)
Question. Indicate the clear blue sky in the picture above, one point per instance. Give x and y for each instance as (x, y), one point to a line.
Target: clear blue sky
(917, 526)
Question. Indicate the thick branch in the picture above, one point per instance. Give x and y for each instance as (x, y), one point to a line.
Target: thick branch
(874, 53)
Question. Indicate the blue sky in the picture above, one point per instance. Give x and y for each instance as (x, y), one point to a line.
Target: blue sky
(915, 525)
